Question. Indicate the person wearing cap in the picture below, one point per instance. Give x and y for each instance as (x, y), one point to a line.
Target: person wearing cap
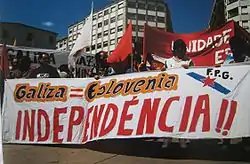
(180, 58)
(45, 70)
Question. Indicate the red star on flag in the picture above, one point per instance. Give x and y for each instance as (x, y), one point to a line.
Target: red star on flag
(208, 81)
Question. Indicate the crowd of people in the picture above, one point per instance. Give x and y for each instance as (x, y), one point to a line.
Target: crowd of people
(21, 68)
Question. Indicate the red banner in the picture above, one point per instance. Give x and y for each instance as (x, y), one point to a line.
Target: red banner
(207, 48)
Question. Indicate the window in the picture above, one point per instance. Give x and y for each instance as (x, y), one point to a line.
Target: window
(70, 31)
(30, 37)
(244, 10)
(106, 22)
(93, 36)
(74, 37)
(105, 33)
(141, 17)
(159, 28)
(141, 6)
(118, 39)
(231, 1)
(141, 28)
(99, 35)
(119, 28)
(105, 44)
(70, 39)
(5, 34)
(112, 20)
(151, 7)
(112, 42)
(100, 15)
(131, 16)
(134, 27)
(131, 4)
(93, 47)
(99, 25)
(120, 17)
(75, 28)
(151, 18)
(245, 24)
(113, 9)
(106, 12)
(112, 31)
(94, 27)
(99, 45)
(87, 49)
(94, 17)
(161, 19)
(120, 6)
(51, 39)
(232, 13)
(160, 8)
(80, 26)
(134, 39)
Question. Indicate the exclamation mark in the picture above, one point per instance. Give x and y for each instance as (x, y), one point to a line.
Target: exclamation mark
(222, 115)
(230, 119)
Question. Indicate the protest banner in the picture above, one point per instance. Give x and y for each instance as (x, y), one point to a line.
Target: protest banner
(84, 64)
(195, 103)
(207, 48)
(57, 57)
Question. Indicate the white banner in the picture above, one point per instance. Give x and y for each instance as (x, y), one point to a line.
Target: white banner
(180, 103)
(84, 64)
(57, 57)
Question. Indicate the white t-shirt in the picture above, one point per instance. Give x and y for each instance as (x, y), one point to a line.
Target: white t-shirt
(175, 62)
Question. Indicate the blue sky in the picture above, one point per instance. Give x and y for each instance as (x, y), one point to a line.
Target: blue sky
(187, 15)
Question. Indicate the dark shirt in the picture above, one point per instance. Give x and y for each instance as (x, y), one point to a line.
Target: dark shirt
(45, 71)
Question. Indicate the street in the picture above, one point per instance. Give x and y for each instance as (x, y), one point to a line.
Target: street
(123, 152)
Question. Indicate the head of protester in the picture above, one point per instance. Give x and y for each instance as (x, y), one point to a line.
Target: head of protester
(180, 58)
(44, 59)
(22, 68)
(102, 66)
(238, 48)
(45, 70)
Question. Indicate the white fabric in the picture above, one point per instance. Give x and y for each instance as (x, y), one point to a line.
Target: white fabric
(175, 63)
(84, 40)
(195, 103)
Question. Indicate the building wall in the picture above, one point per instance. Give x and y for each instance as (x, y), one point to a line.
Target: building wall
(110, 23)
(62, 44)
(239, 11)
(27, 36)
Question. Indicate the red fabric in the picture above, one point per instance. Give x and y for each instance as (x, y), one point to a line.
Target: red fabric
(118, 58)
(4, 62)
(160, 43)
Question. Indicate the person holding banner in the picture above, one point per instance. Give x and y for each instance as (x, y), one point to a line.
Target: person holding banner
(179, 59)
(102, 67)
(45, 70)
(22, 69)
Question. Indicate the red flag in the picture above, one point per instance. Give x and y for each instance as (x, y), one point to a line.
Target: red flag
(119, 57)
(4, 63)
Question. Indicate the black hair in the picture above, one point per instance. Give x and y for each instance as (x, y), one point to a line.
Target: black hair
(25, 63)
(179, 43)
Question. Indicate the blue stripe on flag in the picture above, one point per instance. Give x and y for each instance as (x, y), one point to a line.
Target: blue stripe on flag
(216, 86)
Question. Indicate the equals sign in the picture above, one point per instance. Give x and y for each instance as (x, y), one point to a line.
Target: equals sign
(76, 93)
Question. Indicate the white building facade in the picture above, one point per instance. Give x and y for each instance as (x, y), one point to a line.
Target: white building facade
(109, 23)
(62, 44)
(239, 11)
